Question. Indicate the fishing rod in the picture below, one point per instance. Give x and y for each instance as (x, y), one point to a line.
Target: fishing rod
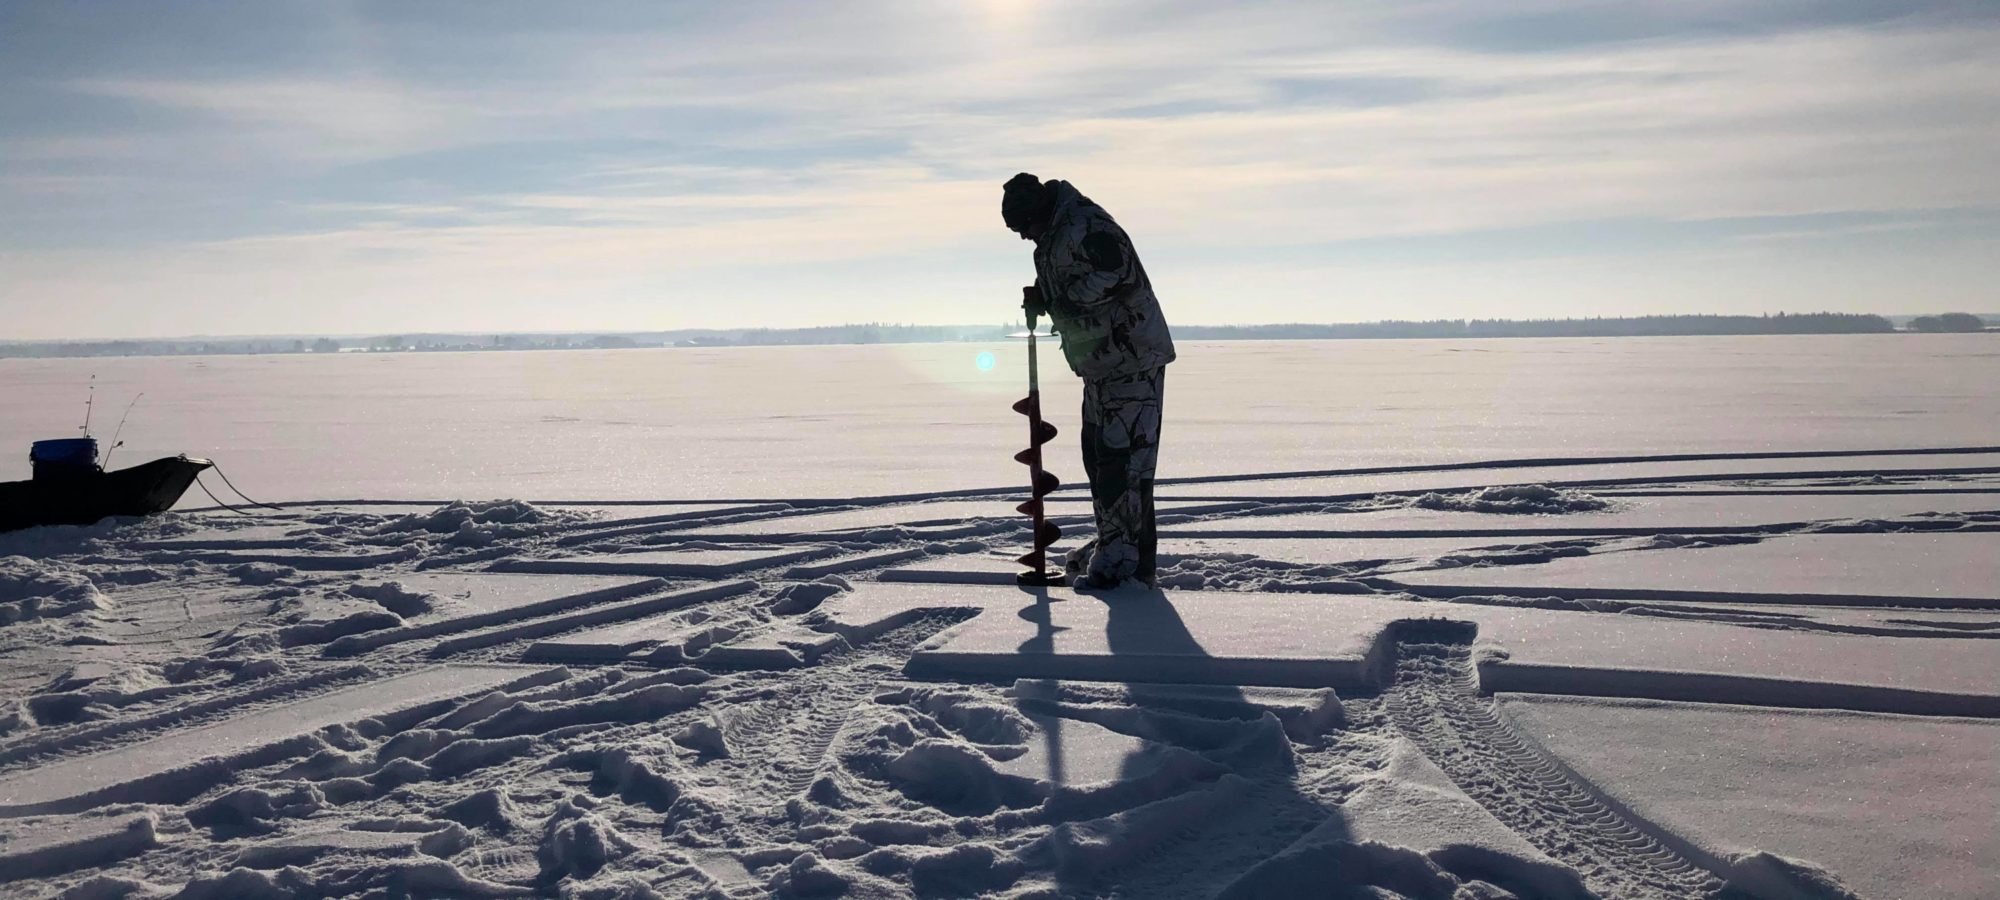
(89, 401)
(115, 442)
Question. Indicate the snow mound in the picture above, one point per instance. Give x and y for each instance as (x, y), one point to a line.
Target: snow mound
(703, 737)
(634, 775)
(479, 523)
(1519, 499)
(491, 810)
(1768, 876)
(32, 589)
(323, 618)
(578, 842)
(87, 692)
(254, 809)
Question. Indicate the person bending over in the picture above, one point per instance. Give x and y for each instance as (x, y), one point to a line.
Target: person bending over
(1090, 284)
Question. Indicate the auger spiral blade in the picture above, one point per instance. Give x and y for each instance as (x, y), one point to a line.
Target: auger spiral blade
(1042, 532)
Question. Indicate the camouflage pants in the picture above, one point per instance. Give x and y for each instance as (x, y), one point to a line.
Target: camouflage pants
(1121, 446)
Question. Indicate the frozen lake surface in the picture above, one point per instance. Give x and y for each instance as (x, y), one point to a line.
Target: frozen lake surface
(893, 419)
(1749, 676)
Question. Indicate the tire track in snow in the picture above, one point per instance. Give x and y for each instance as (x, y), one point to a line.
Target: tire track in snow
(1434, 701)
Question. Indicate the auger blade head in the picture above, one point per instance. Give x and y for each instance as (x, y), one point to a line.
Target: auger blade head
(1045, 434)
(1044, 483)
(1027, 406)
(1037, 577)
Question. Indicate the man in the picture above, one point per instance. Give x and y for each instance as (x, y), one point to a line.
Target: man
(1089, 282)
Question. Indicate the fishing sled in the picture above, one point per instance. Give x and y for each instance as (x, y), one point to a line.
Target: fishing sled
(69, 488)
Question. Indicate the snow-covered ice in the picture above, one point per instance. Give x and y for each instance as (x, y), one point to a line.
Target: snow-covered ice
(181, 764)
(1136, 635)
(1744, 677)
(1594, 476)
(698, 561)
(1909, 802)
(1923, 569)
(1664, 513)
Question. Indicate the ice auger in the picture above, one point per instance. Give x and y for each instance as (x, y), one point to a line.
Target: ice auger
(1040, 482)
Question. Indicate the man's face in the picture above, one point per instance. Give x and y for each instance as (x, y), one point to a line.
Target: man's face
(1020, 212)
(1029, 230)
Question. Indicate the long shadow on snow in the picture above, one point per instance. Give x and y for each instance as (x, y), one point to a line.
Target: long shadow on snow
(1147, 624)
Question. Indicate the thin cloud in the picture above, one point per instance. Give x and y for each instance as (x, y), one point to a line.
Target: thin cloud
(382, 167)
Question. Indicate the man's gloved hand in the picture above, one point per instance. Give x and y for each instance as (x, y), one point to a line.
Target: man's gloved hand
(1032, 302)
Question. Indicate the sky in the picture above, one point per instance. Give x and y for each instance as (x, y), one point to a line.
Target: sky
(374, 167)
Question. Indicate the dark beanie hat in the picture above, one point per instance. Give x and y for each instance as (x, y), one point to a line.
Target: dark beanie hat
(1025, 199)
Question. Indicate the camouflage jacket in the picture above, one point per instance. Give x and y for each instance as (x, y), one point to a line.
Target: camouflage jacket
(1097, 292)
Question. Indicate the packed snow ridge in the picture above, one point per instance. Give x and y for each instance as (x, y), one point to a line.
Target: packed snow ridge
(1519, 499)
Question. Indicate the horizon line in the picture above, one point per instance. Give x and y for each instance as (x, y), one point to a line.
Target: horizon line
(612, 332)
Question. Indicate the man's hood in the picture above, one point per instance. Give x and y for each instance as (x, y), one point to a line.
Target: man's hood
(1065, 195)
(1066, 198)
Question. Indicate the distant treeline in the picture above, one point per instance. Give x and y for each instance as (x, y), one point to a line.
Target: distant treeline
(868, 333)
(413, 342)
(881, 333)
(1635, 326)
(1949, 322)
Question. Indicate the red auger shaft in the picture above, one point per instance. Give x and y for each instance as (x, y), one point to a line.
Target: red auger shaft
(1040, 482)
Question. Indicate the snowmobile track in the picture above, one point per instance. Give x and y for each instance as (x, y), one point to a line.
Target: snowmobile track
(1435, 703)
(219, 704)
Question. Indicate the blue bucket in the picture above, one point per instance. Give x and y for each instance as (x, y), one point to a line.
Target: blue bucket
(63, 455)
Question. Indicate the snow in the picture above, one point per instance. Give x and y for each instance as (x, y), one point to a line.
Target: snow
(1923, 569)
(298, 558)
(250, 537)
(700, 561)
(1594, 475)
(177, 764)
(1074, 509)
(30, 589)
(1652, 513)
(35, 847)
(1411, 806)
(700, 424)
(462, 601)
(594, 615)
(1304, 640)
(1324, 554)
(1896, 806)
(353, 697)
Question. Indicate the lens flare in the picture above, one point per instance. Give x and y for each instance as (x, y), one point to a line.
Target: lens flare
(984, 361)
